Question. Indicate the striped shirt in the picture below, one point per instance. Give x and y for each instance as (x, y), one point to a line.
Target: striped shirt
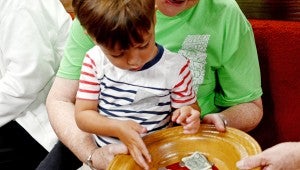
(145, 96)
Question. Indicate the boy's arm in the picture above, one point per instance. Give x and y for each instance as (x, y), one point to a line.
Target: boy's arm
(89, 120)
(129, 132)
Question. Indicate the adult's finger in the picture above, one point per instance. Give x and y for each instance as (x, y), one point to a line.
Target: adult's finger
(216, 120)
(250, 162)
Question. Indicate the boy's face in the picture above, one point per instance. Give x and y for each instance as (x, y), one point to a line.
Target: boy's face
(135, 57)
(174, 7)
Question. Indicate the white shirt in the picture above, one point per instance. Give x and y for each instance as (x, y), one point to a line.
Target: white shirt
(32, 37)
(145, 96)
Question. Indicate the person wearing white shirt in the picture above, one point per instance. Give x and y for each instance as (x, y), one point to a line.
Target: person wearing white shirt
(32, 37)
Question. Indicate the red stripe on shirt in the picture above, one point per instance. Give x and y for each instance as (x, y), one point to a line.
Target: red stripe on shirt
(88, 91)
(183, 101)
(185, 66)
(187, 88)
(182, 81)
(88, 82)
(87, 74)
(183, 93)
(87, 65)
(92, 61)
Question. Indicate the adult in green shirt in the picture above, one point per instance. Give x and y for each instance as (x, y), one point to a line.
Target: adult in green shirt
(213, 34)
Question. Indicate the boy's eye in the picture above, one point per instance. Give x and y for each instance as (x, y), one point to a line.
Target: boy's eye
(144, 46)
(117, 55)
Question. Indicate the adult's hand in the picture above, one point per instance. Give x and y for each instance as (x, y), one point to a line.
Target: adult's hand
(103, 156)
(216, 119)
(244, 116)
(281, 156)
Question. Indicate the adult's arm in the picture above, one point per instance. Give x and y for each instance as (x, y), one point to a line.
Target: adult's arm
(239, 88)
(281, 156)
(245, 116)
(60, 106)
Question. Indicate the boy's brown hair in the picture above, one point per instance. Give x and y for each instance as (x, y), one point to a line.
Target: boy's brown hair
(112, 22)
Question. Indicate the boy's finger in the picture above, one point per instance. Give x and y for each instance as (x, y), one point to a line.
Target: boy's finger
(139, 158)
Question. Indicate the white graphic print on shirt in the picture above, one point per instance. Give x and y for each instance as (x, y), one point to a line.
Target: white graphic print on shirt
(194, 48)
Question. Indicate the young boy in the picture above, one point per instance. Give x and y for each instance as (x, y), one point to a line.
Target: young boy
(130, 80)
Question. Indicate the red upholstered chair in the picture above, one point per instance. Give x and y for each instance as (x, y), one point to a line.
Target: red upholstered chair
(278, 45)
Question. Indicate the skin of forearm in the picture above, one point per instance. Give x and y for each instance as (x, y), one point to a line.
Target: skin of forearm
(89, 120)
(92, 122)
(296, 154)
(245, 116)
(61, 116)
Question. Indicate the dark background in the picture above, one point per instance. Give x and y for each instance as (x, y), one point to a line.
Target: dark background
(271, 9)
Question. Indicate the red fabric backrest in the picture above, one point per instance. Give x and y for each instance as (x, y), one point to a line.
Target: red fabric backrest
(278, 46)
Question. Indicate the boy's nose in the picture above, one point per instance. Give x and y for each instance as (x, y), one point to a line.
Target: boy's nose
(134, 58)
(134, 61)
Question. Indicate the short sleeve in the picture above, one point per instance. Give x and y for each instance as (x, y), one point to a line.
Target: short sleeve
(183, 93)
(239, 75)
(78, 44)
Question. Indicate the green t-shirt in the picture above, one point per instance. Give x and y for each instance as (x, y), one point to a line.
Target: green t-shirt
(214, 35)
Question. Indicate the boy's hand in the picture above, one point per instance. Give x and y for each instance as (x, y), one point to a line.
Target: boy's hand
(189, 118)
(130, 135)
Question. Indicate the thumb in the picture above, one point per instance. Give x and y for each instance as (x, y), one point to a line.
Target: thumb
(250, 162)
(216, 120)
(220, 126)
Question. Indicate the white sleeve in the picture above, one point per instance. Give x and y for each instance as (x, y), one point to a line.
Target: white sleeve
(28, 62)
